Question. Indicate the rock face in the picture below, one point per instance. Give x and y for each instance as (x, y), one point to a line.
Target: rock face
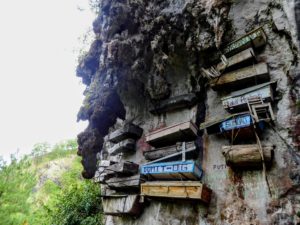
(147, 52)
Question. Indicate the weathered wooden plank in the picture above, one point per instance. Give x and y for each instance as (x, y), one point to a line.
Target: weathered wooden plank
(189, 190)
(127, 145)
(255, 38)
(237, 100)
(125, 168)
(238, 60)
(244, 77)
(174, 103)
(184, 132)
(187, 170)
(129, 130)
(122, 205)
(100, 174)
(125, 183)
(247, 156)
(169, 151)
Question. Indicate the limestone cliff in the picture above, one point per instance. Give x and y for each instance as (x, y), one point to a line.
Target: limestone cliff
(147, 52)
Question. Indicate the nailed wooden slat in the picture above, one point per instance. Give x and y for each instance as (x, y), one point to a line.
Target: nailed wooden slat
(186, 170)
(189, 190)
(255, 38)
(122, 205)
(129, 130)
(244, 77)
(174, 103)
(127, 145)
(186, 131)
(247, 156)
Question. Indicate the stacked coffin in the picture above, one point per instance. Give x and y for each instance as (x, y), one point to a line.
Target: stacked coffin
(167, 176)
(249, 100)
(121, 179)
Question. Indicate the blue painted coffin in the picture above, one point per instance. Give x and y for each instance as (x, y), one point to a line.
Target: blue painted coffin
(241, 121)
(183, 170)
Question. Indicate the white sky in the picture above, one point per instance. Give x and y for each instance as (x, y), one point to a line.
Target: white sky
(39, 92)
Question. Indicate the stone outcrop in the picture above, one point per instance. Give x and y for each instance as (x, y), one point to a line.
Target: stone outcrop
(147, 52)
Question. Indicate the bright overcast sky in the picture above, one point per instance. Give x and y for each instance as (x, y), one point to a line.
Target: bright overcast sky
(39, 92)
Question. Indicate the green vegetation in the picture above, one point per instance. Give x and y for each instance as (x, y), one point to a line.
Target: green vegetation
(46, 188)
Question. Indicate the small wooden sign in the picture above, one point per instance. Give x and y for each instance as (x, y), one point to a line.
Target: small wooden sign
(173, 170)
(188, 190)
(121, 205)
(245, 77)
(182, 132)
(237, 122)
(174, 103)
(255, 38)
(129, 130)
(237, 100)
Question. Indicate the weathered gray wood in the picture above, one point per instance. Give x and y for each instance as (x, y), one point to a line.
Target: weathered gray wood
(245, 77)
(100, 174)
(127, 145)
(183, 132)
(240, 59)
(122, 205)
(189, 190)
(125, 183)
(255, 38)
(174, 103)
(125, 168)
(168, 151)
(247, 156)
(129, 130)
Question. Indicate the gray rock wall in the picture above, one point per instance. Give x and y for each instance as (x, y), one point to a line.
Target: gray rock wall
(146, 51)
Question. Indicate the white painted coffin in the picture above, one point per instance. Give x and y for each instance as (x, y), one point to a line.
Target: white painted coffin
(237, 100)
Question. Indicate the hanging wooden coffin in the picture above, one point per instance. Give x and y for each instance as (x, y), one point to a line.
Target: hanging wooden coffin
(237, 100)
(175, 103)
(188, 170)
(188, 190)
(183, 132)
(237, 61)
(100, 174)
(123, 168)
(244, 77)
(125, 183)
(121, 205)
(170, 152)
(255, 38)
(128, 131)
(127, 145)
(247, 156)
